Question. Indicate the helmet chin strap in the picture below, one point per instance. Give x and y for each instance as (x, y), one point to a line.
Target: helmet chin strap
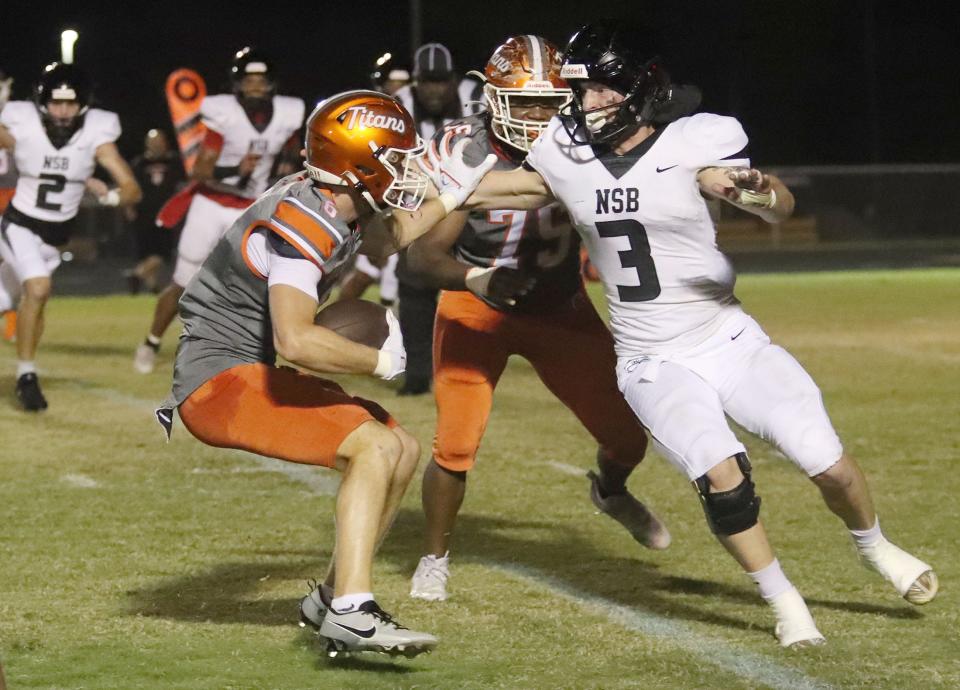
(348, 181)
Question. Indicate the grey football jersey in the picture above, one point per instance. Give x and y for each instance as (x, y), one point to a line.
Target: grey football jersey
(540, 242)
(225, 308)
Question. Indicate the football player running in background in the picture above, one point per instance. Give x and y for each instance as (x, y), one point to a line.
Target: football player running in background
(255, 297)
(634, 173)
(246, 131)
(56, 142)
(511, 286)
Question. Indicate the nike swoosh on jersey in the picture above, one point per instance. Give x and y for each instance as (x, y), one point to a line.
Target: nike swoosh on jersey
(361, 633)
(669, 167)
(734, 337)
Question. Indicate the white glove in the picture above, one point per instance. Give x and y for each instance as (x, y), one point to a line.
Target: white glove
(455, 178)
(391, 358)
(111, 198)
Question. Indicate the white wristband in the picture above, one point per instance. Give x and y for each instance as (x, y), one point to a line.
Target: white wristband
(449, 202)
(384, 363)
(111, 198)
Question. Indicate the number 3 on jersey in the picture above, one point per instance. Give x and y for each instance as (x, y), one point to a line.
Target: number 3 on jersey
(50, 184)
(637, 257)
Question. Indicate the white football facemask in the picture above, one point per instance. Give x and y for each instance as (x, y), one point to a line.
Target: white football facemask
(409, 186)
(518, 132)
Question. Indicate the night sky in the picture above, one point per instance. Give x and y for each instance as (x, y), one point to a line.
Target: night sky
(851, 81)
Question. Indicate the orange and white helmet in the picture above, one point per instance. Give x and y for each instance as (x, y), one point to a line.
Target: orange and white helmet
(523, 67)
(368, 141)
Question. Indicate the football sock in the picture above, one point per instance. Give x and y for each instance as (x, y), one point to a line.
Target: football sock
(350, 602)
(771, 581)
(25, 368)
(867, 537)
(153, 341)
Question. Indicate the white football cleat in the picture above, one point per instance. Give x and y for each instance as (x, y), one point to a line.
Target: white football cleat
(430, 580)
(795, 628)
(912, 578)
(370, 629)
(641, 522)
(313, 607)
(144, 359)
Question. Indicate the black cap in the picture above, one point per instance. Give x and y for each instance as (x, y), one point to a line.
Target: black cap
(432, 62)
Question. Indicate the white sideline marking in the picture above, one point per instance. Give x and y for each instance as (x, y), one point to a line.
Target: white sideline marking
(319, 480)
(564, 468)
(749, 665)
(80, 480)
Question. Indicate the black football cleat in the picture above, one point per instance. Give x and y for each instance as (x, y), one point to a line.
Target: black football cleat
(29, 394)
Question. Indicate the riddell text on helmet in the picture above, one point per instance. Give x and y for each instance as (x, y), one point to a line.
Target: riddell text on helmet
(360, 116)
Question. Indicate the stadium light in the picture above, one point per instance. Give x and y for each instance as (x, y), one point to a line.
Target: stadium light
(68, 39)
(383, 58)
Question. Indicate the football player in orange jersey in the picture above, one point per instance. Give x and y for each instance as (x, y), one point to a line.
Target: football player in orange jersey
(511, 285)
(255, 297)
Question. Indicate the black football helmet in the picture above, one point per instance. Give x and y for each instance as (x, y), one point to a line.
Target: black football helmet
(61, 82)
(246, 61)
(600, 54)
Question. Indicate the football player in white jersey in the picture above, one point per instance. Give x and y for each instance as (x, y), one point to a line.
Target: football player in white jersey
(635, 173)
(247, 131)
(56, 142)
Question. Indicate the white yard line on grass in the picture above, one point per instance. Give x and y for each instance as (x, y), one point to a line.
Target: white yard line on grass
(754, 667)
(320, 481)
(80, 480)
(564, 468)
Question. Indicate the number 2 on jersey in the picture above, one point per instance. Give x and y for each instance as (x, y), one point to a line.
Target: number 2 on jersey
(50, 184)
(637, 257)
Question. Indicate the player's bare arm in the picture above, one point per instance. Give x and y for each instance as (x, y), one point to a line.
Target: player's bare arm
(407, 226)
(303, 344)
(522, 189)
(429, 257)
(749, 189)
(128, 191)
(6, 139)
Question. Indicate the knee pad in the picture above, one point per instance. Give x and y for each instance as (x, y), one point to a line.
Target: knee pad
(734, 511)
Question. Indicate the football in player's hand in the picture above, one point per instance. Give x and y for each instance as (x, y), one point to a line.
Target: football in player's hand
(358, 320)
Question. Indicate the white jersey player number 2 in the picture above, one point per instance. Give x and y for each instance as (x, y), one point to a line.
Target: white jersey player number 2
(50, 184)
(637, 257)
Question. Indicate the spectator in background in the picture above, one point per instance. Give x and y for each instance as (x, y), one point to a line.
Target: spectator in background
(436, 97)
(159, 172)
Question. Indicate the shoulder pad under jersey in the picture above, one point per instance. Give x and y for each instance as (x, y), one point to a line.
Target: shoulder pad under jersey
(102, 126)
(308, 221)
(714, 140)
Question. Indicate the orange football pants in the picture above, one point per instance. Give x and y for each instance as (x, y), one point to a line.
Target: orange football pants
(571, 350)
(278, 412)
(5, 196)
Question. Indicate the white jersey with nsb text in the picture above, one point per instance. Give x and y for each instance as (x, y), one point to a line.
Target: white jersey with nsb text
(52, 179)
(647, 227)
(224, 115)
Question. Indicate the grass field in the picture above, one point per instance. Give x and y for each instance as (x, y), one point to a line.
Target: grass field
(130, 563)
